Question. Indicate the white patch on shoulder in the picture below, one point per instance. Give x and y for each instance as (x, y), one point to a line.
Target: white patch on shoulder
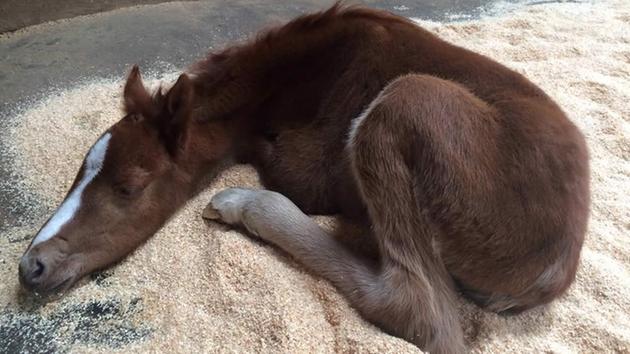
(354, 126)
(70, 206)
(356, 122)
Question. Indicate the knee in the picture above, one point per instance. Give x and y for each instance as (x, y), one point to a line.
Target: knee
(265, 204)
(267, 212)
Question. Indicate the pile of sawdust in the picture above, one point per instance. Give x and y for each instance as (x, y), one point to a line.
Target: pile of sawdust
(202, 287)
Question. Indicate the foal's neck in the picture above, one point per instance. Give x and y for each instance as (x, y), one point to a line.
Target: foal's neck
(241, 77)
(233, 85)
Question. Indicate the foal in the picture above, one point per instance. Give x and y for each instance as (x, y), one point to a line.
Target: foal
(466, 175)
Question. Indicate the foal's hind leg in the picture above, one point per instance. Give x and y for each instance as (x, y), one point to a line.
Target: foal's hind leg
(401, 134)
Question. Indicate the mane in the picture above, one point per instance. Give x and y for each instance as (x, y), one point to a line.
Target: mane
(300, 26)
(336, 12)
(235, 73)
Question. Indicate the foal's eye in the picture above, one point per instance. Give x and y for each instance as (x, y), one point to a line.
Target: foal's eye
(128, 191)
(134, 117)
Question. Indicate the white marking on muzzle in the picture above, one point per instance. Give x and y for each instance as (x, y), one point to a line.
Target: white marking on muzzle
(70, 206)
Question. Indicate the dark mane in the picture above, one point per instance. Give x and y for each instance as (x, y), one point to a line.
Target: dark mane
(309, 24)
(337, 11)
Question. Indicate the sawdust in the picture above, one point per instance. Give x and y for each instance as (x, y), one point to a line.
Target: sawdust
(201, 287)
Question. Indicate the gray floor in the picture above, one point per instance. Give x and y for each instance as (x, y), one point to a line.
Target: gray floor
(15, 14)
(105, 44)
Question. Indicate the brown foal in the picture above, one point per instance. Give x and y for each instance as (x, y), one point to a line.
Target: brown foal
(466, 175)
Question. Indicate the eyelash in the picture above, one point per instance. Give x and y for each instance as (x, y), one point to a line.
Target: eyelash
(127, 192)
(124, 191)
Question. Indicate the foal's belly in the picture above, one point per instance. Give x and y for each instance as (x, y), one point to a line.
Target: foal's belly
(314, 174)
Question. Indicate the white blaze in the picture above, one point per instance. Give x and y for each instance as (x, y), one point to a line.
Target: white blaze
(70, 206)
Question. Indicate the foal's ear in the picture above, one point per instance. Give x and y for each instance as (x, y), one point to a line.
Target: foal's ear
(136, 97)
(177, 108)
(179, 98)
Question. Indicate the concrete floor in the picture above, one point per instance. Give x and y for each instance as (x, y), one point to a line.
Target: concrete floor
(177, 33)
(16, 14)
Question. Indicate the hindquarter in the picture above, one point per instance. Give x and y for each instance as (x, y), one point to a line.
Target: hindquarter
(506, 184)
(518, 217)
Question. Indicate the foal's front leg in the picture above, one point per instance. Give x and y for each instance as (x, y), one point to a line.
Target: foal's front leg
(266, 214)
(274, 218)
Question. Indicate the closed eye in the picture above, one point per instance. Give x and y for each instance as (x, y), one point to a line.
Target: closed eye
(128, 191)
(131, 181)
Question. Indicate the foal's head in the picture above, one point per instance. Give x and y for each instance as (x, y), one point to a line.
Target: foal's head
(132, 179)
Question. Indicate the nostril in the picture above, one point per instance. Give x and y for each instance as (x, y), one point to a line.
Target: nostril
(31, 271)
(38, 270)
